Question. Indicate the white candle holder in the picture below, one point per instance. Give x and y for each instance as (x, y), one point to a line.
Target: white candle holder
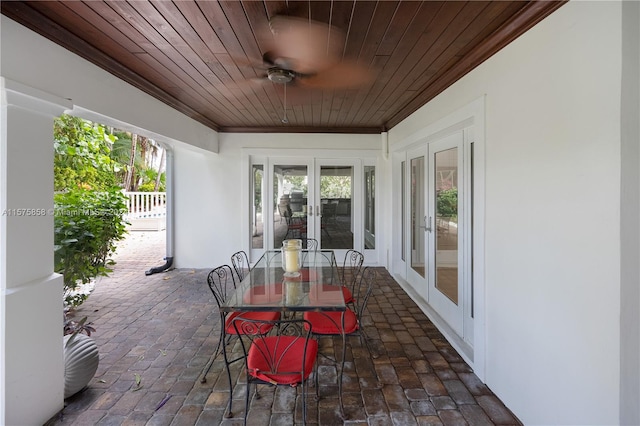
(292, 289)
(291, 257)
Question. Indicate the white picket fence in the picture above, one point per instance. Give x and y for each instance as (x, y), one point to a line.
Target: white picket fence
(147, 210)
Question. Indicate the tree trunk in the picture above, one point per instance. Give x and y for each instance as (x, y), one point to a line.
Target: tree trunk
(132, 163)
(144, 147)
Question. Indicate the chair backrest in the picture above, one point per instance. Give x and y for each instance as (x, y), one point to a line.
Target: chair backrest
(351, 267)
(240, 262)
(282, 210)
(310, 244)
(329, 212)
(288, 214)
(278, 352)
(362, 291)
(221, 283)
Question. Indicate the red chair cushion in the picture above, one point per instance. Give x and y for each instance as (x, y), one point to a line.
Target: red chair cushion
(278, 359)
(307, 275)
(330, 322)
(260, 316)
(346, 293)
(348, 297)
(264, 294)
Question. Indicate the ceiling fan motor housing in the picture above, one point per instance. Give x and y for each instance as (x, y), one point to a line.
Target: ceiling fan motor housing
(278, 75)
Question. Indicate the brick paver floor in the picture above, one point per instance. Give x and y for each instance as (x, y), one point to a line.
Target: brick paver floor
(156, 333)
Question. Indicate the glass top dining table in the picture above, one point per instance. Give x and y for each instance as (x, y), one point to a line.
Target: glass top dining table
(266, 288)
(316, 288)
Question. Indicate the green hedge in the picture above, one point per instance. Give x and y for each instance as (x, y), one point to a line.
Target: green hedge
(87, 226)
(447, 203)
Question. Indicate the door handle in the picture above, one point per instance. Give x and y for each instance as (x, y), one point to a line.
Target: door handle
(310, 212)
(427, 228)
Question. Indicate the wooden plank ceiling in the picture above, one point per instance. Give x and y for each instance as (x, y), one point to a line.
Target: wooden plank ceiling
(205, 58)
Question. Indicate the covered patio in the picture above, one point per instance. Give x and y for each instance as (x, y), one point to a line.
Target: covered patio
(547, 124)
(164, 327)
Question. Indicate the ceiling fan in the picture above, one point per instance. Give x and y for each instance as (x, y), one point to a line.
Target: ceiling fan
(308, 54)
(303, 55)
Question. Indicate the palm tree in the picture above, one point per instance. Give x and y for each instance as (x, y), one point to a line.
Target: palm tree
(132, 161)
(138, 156)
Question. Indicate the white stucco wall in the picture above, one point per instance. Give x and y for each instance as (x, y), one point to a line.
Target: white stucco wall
(208, 191)
(552, 206)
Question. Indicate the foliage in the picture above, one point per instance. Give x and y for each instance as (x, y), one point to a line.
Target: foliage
(147, 187)
(447, 202)
(87, 226)
(82, 155)
(71, 326)
(149, 178)
(296, 182)
(90, 162)
(335, 187)
(257, 187)
(145, 154)
(330, 186)
(121, 148)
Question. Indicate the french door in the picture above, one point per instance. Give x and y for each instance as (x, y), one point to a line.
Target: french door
(446, 248)
(291, 191)
(338, 204)
(319, 198)
(439, 266)
(416, 225)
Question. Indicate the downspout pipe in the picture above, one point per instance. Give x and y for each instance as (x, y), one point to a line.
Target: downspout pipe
(169, 225)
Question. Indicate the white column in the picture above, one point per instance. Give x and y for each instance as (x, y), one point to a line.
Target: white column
(31, 368)
(630, 218)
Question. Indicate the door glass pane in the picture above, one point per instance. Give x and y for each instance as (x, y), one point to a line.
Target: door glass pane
(402, 208)
(417, 216)
(257, 241)
(370, 207)
(471, 233)
(446, 203)
(290, 200)
(336, 189)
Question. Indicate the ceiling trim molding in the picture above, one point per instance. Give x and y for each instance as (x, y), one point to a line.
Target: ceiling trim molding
(275, 129)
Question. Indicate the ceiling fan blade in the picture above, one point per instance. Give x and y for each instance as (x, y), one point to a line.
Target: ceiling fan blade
(305, 46)
(341, 75)
(238, 87)
(296, 95)
(271, 59)
(258, 65)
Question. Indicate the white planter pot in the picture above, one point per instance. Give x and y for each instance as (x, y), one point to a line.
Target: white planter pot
(80, 363)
